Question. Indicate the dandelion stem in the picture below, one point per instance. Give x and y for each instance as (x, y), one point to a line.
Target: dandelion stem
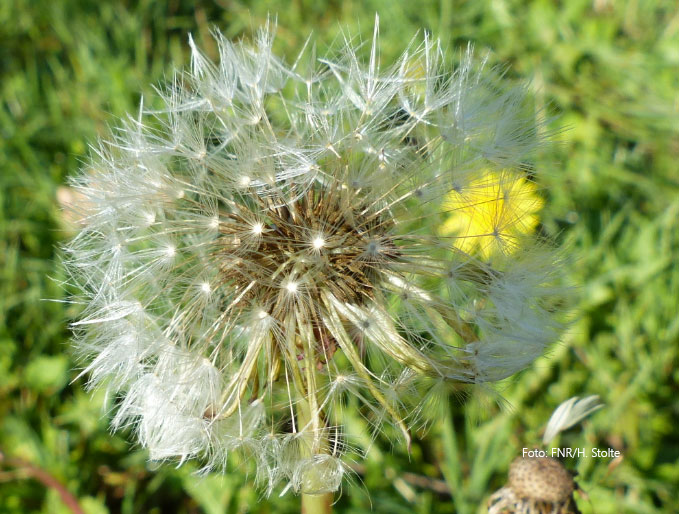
(312, 503)
(317, 503)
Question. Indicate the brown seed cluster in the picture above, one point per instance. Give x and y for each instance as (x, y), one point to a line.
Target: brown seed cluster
(539, 485)
(297, 244)
(541, 478)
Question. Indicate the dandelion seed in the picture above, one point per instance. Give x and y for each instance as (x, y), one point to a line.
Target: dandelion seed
(293, 261)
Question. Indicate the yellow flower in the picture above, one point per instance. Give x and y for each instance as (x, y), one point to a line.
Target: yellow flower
(492, 213)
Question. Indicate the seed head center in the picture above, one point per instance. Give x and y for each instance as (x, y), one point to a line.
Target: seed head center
(323, 239)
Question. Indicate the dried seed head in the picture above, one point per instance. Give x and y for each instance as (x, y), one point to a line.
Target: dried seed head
(541, 479)
(264, 252)
(304, 242)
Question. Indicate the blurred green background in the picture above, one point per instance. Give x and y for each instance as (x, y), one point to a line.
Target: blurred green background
(609, 68)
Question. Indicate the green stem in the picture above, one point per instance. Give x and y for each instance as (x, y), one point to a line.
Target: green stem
(311, 503)
(317, 503)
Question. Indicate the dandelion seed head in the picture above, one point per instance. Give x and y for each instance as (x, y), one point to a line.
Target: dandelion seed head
(535, 483)
(274, 242)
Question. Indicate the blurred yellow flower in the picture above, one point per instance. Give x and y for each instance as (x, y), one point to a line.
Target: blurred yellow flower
(491, 213)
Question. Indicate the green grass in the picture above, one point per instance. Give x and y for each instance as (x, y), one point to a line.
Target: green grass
(610, 69)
